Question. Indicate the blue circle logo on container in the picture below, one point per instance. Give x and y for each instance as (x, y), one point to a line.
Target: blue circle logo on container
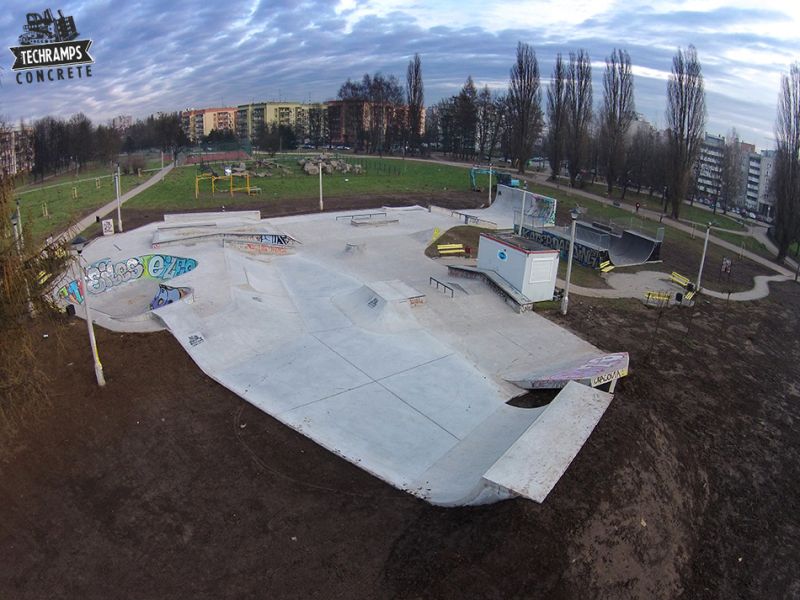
(502, 255)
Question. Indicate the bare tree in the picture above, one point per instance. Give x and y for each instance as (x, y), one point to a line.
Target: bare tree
(524, 101)
(490, 117)
(786, 170)
(618, 113)
(686, 119)
(556, 116)
(467, 117)
(415, 99)
(579, 112)
(25, 295)
(732, 175)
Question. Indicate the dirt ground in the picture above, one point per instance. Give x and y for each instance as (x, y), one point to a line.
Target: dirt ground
(166, 485)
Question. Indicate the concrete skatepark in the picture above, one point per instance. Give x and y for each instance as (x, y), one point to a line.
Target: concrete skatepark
(331, 326)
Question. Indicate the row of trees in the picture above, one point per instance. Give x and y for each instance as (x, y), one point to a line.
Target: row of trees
(62, 144)
(597, 141)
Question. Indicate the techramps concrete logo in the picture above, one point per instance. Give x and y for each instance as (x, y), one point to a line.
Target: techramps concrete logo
(50, 51)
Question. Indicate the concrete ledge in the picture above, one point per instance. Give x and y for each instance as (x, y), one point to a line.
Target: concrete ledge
(533, 464)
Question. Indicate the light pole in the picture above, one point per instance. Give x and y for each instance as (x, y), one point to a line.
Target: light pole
(16, 224)
(565, 300)
(490, 184)
(78, 244)
(119, 204)
(321, 206)
(703, 259)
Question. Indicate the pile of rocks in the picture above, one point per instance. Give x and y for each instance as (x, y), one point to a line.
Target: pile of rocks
(329, 165)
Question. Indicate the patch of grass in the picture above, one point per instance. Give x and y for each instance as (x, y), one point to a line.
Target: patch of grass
(750, 243)
(381, 176)
(689, 213)
(581, 276)
(63, 209)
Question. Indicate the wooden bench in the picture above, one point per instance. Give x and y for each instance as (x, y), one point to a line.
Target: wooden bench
(254, 190)
(657, 298)
(450, 249)
(606, 266)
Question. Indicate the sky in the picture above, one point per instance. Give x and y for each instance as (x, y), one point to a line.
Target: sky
(155, 56)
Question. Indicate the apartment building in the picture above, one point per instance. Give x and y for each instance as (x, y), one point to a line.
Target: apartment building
(251, 117)
(122, 122)
(16, 150)
(708, 169)
(198, 123)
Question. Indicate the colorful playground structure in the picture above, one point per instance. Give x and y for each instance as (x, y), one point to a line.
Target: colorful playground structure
(213, 177)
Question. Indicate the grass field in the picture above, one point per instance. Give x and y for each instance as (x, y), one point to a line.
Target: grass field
(692, 214)
(750, 243)
(381, 176)
(63, 210)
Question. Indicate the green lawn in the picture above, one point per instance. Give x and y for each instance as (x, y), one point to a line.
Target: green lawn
(750, 243)
(63, 210)
(381, 176)
(689, 213)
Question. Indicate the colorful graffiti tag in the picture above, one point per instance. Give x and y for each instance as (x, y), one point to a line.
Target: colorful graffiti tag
(105, 274)
(167, 295)
(585, 255)
(72, 292)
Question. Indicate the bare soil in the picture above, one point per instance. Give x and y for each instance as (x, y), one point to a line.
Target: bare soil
(166, 485)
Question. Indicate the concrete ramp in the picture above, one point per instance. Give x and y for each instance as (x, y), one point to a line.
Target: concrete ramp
(594, 372)
(633, 249)
(534, 463)
(380, 306)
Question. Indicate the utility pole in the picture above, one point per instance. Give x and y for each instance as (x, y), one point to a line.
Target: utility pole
(703, 259)
(565, 300)
(321, 206)
(119, 204)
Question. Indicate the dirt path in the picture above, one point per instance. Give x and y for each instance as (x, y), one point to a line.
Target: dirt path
(166, 485)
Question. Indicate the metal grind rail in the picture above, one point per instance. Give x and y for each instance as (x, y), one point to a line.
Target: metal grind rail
(439, 284)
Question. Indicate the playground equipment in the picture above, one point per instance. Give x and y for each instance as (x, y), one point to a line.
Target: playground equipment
(213, 178)
(502, 178)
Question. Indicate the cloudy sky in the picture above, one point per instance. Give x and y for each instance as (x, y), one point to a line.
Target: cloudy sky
(162, 56)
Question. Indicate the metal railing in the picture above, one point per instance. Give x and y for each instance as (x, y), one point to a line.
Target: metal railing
(441, 284)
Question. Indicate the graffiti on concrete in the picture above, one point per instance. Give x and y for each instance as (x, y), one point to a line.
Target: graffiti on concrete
(105, 274)
(167, 295)
(585, 255)
(72, 292)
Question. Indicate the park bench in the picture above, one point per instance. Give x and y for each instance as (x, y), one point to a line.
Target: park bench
(450, 249)
(606, 266)
(681, 280)
(254, 190)
(685, 284)
(657, 298)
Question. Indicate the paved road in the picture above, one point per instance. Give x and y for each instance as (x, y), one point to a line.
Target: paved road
(104, 210)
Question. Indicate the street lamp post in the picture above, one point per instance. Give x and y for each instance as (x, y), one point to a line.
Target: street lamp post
(78, 244)
(119, 204)
(321, 206)
(703, 259)
(565, 300)
(490, 184)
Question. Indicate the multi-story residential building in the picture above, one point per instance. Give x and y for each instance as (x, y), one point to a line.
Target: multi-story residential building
(16, 150)
(708, 169)
(122, 122)
(198, 123)
(765, 204)
(367, 124)
(250, 118)
(751, 174)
